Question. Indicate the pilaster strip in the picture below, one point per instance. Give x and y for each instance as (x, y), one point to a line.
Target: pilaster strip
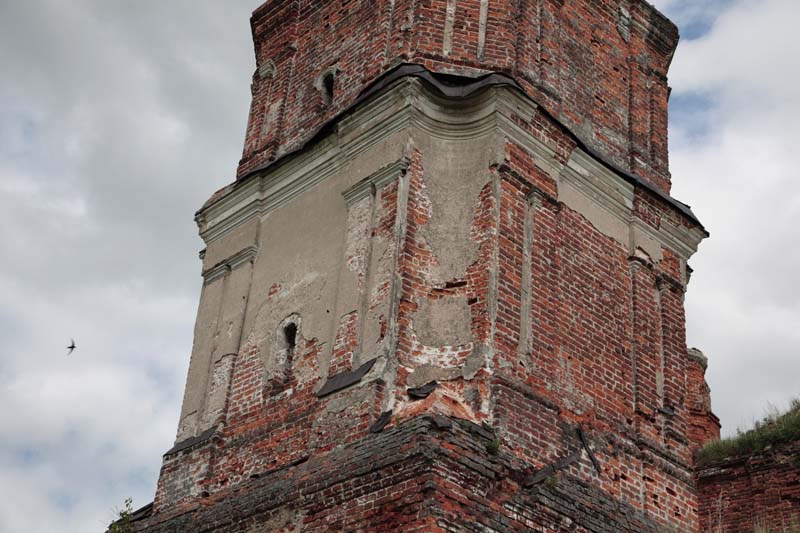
(484, 15)
(226, 265)
(375, 181)
(449, 23)
(534, 201)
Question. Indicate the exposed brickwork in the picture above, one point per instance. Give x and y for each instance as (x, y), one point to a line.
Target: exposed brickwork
(703, 425)
(602, 350)
(756, 492)
(608, 85)
(522, 333)
(430, 474)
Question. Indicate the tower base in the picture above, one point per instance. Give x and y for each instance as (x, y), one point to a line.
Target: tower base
(429, 473)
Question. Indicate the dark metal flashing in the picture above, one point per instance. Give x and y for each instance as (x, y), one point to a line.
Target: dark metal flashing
(586, 447)
(345, 379)
(191, 442)
(381, 422)
(458, 86)
(551, 469)
(420, 393)
(297, 462)
(142, 513)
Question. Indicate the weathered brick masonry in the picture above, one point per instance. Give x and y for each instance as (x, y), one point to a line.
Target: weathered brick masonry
(598, 66)
(445, 292)
(759, 491)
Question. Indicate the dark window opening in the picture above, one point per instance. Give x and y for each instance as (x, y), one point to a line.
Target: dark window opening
(290, 334)
(327, 87)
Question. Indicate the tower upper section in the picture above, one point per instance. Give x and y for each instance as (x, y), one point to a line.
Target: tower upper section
(597, 66)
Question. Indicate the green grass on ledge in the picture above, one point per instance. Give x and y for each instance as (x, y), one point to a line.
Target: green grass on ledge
(771, 430)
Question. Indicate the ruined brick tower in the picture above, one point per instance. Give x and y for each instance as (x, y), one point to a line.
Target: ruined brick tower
(445, 291)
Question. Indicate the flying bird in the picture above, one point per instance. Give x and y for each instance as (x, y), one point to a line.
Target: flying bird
(71, 346)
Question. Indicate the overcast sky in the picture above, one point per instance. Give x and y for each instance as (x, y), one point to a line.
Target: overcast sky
(118, 118)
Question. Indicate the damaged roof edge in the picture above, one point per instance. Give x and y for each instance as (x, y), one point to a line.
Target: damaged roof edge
(191, 441)
(457, 86)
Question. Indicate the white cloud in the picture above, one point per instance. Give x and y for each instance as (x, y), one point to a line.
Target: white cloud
(741, 177)
(117, 120)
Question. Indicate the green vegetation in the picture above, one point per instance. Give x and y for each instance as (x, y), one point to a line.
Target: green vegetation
(493, 447)
(123, 523)
(773, 429)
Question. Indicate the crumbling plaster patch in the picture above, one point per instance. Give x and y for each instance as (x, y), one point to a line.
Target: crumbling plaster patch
(200, 363)
(443, 322)
(301, 254)
(455, 173)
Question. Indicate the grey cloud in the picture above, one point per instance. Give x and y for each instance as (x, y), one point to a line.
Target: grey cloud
(743, 303)
(121, 117)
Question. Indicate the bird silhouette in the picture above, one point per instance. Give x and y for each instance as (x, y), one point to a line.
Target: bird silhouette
(71, 346)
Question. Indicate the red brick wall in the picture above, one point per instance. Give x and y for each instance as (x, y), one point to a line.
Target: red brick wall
(702, 425)
(607, 352)
(580, 335)
(428, 474)
(598, 66)
(757, 492)
(586, 371)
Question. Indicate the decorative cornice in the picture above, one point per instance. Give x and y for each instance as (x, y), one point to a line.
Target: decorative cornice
(458, 88)
(698, 357)
(597, 183)
(375, 181)
(408, 104)
(226, 265)
(279, 184)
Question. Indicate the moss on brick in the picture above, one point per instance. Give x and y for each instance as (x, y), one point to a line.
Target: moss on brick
(770, 431)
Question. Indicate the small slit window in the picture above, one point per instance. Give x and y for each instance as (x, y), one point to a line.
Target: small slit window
(326, 85)
(290, 337)
(287, 336)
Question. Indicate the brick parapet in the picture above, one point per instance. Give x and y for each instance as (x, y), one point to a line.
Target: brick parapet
(759, 491)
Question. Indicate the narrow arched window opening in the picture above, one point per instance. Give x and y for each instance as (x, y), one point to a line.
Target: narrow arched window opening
(287, 336)
(290, 336)
(328, 81)
(327, 84)
(290, 345)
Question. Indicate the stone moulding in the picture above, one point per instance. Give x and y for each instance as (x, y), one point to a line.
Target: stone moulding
(487, 106)
(226, 265)
(191, 442)
(456, 87)
(345, 379)
(375, 181)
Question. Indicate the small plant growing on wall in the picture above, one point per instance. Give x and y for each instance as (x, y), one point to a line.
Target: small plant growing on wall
(493, 447)
(123, 522)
